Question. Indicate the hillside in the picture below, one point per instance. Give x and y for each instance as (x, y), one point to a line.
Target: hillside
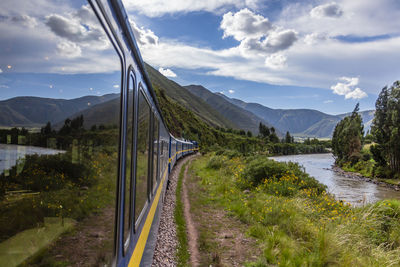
(301, 122)
(243, 119)
(30, 111)
(185, 98)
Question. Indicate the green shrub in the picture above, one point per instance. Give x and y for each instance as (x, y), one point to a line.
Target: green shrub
(50, 172)
(259, 168)
(216, 162)
(20, 215)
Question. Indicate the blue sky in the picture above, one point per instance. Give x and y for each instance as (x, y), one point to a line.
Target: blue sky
(318, 54)
(325, 55)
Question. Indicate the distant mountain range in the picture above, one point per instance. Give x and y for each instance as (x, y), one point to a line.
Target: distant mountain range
(214, 108)
(300, 122)
(29, 111)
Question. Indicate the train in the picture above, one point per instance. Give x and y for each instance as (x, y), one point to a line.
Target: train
(76, 66)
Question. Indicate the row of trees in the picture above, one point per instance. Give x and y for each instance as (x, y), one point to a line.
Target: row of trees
(348, 136)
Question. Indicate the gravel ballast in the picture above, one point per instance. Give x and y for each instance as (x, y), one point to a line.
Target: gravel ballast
(166, 246)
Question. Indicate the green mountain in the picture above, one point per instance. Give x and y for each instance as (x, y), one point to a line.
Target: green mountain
(243, 119)
(188, 100)
(28, 111)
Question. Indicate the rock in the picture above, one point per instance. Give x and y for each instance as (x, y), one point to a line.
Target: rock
(228, 235)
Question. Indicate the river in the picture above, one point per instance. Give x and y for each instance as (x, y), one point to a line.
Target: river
(9, 154)
(354, 191)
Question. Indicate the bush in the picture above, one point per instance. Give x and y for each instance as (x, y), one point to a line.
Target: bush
(50, 172)
(19, 216)
(383, 172)
(258, 169)
(216, 162)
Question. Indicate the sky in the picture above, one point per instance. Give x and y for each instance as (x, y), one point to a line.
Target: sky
(324, 55)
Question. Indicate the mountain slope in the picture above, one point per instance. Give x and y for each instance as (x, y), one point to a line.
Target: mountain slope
(188, 100)
(30, 111)
(243, 119)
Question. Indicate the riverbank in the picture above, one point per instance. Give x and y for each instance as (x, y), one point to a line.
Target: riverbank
(289, 215)
(356, 175)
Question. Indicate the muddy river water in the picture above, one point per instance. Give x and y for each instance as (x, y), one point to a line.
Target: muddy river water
(353, 191)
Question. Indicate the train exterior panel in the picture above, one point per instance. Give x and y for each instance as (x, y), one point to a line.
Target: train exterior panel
(94, 115)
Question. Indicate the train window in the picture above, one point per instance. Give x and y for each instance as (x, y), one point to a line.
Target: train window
(156, 133)
(128, 158)
(60, 83)
(142, 154)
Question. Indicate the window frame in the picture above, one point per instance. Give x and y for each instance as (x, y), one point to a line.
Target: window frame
(141, 90)
(131, 84)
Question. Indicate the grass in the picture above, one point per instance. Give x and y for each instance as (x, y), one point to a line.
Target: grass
(16, 250)
(295, 221)
(182, 254)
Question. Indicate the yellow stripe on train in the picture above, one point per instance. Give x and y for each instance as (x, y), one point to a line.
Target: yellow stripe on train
(141, 243)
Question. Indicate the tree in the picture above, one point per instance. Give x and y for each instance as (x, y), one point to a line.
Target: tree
(347, 138)
(47, 129)
(249, 134)
(264, 131)
(386, 128)
(288, 138)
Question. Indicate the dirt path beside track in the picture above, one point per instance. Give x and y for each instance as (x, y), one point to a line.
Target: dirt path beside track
(190, 225)
(166, 245)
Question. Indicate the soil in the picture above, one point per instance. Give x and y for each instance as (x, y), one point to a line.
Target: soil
(220, 238)
(89, 244)
(191, 228)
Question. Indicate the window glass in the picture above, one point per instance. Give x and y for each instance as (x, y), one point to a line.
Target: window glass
(155, 150)
(128, 163)
(59, 136)
(142, 155)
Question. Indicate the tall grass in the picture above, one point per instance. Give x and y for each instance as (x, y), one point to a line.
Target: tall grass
(296, 222)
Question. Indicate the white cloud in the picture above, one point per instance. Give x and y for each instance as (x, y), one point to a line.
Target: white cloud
(244, 24)
(143, 36)
(328, 101)
(356, 94)
(332, 10)
(69, 49)
(71, 37)
(167, 72)
(347, 89)
(116, 85)
(25, 20)
(1, 71)
(276, 61)
(79, 27)
(4, 86)
(155, 8)
(256, 33)
(231, 91)
(314, 38)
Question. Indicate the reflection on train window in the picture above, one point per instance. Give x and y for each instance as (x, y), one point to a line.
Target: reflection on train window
(155, 150)
(142, 154)
(59, 138)
(129, 166)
